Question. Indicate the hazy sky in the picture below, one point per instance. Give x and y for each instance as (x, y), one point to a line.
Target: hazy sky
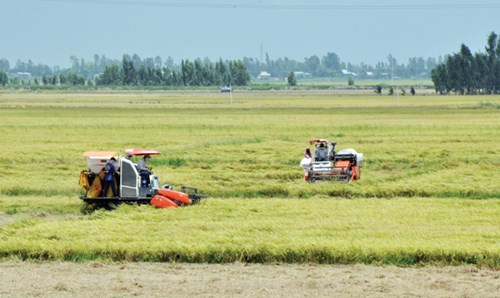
(50, 31)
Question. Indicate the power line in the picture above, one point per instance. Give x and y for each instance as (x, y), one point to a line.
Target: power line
(220, 5)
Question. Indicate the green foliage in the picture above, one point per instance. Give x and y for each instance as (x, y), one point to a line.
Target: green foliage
(167, 72)
(292, 81)
(154, 72)
(61, 79)
(111, 76)
(129, 73)
(239, 73)
(464, 73)
(4, 79)
(332, 63)
(4, 65)
(197, 73)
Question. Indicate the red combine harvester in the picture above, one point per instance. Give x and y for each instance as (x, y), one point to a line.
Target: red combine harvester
(327, 164)
(132, 183)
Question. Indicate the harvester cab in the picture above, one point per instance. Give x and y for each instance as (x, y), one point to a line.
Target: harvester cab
(137, 180)
(328, 164)
(132, 182)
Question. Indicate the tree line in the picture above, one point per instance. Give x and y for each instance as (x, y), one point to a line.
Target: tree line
(465, 73)
(102, 70)
(133, 71)
(330, 65)
(190, 73)
(461, 73)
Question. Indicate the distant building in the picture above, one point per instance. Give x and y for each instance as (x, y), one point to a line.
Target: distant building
(301, 74)
(264, 75)
(23, 76)
(348, 73)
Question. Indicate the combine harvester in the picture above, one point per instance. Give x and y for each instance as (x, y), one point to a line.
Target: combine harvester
(327, 164)
(131, 184)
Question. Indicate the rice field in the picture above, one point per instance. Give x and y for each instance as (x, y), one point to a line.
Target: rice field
(428, 192)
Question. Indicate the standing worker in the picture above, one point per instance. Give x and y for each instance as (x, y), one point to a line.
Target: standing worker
(305, 163)
(109, 179)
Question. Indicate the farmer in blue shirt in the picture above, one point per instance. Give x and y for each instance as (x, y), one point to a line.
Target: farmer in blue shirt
(109, 179)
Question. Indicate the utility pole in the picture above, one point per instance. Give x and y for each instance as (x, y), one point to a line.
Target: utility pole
(231, 94)
(392, 80)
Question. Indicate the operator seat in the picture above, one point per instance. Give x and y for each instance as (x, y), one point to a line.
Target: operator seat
(321, 153)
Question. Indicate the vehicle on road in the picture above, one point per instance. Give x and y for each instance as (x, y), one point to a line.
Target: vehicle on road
(225, 89)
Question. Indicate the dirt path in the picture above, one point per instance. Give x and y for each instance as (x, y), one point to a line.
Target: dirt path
(26, 279)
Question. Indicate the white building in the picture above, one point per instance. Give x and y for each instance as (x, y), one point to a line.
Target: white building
(301, 74)
(348, 73)
(23, 76)
(264, 75)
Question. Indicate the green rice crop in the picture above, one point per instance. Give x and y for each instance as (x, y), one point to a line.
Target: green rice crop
(428, 192)
(372, 231)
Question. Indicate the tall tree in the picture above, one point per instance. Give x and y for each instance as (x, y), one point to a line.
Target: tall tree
(492, 51)
(198, 77)
(239, 73)
(4, 79)
(110, 76)
(455, 74)
(142, 75)
(136, 61)
(187, 72)
(312, 64)
(464, 73)
(4, 65)
(332, 64)
(158, 62)
(129, 73)
(222, 76)
(440, 78)
(292, 81)
(466, 60)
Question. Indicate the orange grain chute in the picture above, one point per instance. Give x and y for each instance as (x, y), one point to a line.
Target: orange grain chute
(174, 195)
(162, 202)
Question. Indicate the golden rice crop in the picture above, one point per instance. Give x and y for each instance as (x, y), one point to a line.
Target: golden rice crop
(435, 156)
(428, 146)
